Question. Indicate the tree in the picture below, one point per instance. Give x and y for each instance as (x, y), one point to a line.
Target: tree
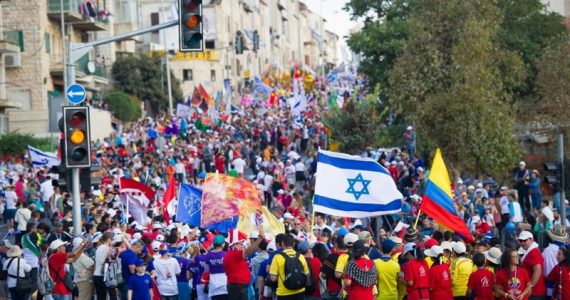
(15, 143)
(142, 76)
(123, 106)
(382, 37)
(452, 80)
(355, 126)
(553, 75)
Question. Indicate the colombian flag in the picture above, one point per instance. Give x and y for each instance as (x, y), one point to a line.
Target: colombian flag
(437, 201)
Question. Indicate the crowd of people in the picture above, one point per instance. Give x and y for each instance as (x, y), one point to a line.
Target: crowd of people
(520, 250)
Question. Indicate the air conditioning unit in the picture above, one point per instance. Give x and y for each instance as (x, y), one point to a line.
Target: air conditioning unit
(12, 60)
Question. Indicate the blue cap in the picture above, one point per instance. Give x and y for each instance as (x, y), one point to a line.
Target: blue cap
(342, 231)
(140, 262)
(388, 246)
(219, 240)
(303, 247)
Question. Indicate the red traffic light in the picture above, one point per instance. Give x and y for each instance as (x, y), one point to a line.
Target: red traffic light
(191, 4)
(77, 119)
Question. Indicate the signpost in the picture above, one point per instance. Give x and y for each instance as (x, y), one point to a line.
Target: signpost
(75, 93)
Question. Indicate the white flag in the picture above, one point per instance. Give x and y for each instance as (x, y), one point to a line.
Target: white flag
(42, 159)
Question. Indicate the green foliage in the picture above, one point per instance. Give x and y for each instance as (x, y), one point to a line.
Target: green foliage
(123, 106)
(143, 77)
(552, 83)
(15, 143)
(449, 81)
(354, 127)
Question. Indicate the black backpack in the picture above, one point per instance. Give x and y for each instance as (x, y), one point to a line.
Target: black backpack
(310, 286)
(295, 277)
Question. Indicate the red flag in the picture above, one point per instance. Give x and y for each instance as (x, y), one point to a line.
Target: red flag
(196, 99)
(168, 196)
(136, 189)
(205, 96)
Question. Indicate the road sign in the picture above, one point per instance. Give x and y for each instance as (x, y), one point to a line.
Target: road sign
(75, 93)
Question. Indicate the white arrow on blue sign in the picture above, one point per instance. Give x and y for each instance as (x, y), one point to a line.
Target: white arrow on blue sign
(75, 93)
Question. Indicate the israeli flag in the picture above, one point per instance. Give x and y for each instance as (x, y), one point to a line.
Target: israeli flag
(42, 159)
(352, 186)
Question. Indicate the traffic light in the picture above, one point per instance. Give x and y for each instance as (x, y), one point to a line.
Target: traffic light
(190, 25)
(77, 137)
(553, 173)
(239, 43)
(255, 41)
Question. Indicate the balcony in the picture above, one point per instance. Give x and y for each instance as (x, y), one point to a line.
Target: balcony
(90, 67)
(76, 13)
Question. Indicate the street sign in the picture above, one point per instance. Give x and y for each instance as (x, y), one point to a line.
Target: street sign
(75, 93)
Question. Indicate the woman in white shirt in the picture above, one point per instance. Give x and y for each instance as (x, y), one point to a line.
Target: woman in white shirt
(11, 265)
(101, 254)
(11, 200)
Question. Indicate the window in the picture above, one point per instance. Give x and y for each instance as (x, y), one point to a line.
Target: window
(210, 44)
(187, 75)
(212, 75)
(154, 20)
(47, 41)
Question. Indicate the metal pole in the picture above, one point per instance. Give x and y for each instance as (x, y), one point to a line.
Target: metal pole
(70, 66)
(560, 143)
(168, 82)
(63, 47)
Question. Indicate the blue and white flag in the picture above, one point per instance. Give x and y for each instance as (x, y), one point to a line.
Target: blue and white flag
(352, 186)
(190, 209)
(42, 159)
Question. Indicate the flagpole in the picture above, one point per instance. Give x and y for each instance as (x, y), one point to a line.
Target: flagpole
(417, 219)
(313, 216)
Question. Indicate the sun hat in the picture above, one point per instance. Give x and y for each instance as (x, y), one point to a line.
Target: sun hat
(445, 245)
(434, 251)
(493, 255)
(458, 247)
(364, 236)
(56, 244)
(396, 240)
(558, 234)
(14, 251)
(412, 236)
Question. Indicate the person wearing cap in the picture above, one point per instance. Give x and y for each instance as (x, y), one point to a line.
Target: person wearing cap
(128, 260)
(560, 275)
(388, 272)
(166, 269)
(57, 266)
(15, 267)
(522, 177)
(427, 245)
(349, 240)
(559, 237)
(533, 262)
(104, 242)
(481, 227)
(314, 265)
(511, 281)
(439, 274)
(84, 267)
(416, 273)
(461, 268)
(333, 284)
(236, 266)
(214, 265)
(277, 270)
(534, 187)
(481, 282)
(368, 240)
(139, 286)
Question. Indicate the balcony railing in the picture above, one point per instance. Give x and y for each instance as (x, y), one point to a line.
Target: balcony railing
(77, 14)
(83, 66)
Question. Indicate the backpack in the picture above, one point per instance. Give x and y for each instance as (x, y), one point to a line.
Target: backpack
(4, 273)
(46, 284)
(310, 286)
(295, 277)
(113, 275)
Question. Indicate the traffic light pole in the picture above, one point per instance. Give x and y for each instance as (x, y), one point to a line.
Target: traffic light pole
(560, 144)
(70, 73)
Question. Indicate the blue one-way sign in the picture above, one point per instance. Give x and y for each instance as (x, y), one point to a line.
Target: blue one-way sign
(75, 93)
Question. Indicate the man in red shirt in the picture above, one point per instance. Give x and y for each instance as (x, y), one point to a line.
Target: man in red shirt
(480, 226)
(57, 262)
(235, 264)
(480, 285)
(315, 266)
(533, 263)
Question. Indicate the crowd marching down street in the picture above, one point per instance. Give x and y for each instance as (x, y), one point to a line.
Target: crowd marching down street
(252, 205)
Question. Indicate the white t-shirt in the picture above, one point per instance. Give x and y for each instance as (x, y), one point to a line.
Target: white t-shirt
(300, 167)
(517, 217)
(24, 267)
(11, 199)
(101, 255)
(166, 271)
(504, 202)
(46, 190)
(239, 165)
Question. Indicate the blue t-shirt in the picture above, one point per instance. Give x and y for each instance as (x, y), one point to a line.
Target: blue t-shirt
(196, 267)
(128, 257)
(262, 272)
(140, 285)
(184, 266)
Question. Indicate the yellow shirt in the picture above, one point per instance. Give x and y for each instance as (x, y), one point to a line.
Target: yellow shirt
(343, 261)
(388, 273)
(461, 269)
(429, 261)
(401, 285)
(278, 268)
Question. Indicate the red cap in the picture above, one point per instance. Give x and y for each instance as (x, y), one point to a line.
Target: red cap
(430, 243)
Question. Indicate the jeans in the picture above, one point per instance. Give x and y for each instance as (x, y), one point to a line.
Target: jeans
(101, 290)
(15, 294)
(61, 297)
(124, 291)
(183, 290)
(237, 291)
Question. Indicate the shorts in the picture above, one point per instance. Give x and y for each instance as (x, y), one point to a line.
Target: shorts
(10, 214)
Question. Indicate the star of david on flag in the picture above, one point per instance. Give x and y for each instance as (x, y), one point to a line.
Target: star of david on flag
(352, 186)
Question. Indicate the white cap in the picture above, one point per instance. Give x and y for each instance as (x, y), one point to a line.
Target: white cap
(409, 128)
(547, 212)
(111, 212)
(77, 242)
(160, 238)
(386, 164)
(118, 238)
(475, 219)
(479, 185)
(350, 238)
(56, 244)
(522, 163)
(272, 246)
(445, 245)
(471, 187)
(434, 251)
(409, 247)
(96, 237)
(525, 235)
(254, 235)
(357, 222)
(458, 247)
(288, 215)
(156, 226)
(137, 236)
(155, 245)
